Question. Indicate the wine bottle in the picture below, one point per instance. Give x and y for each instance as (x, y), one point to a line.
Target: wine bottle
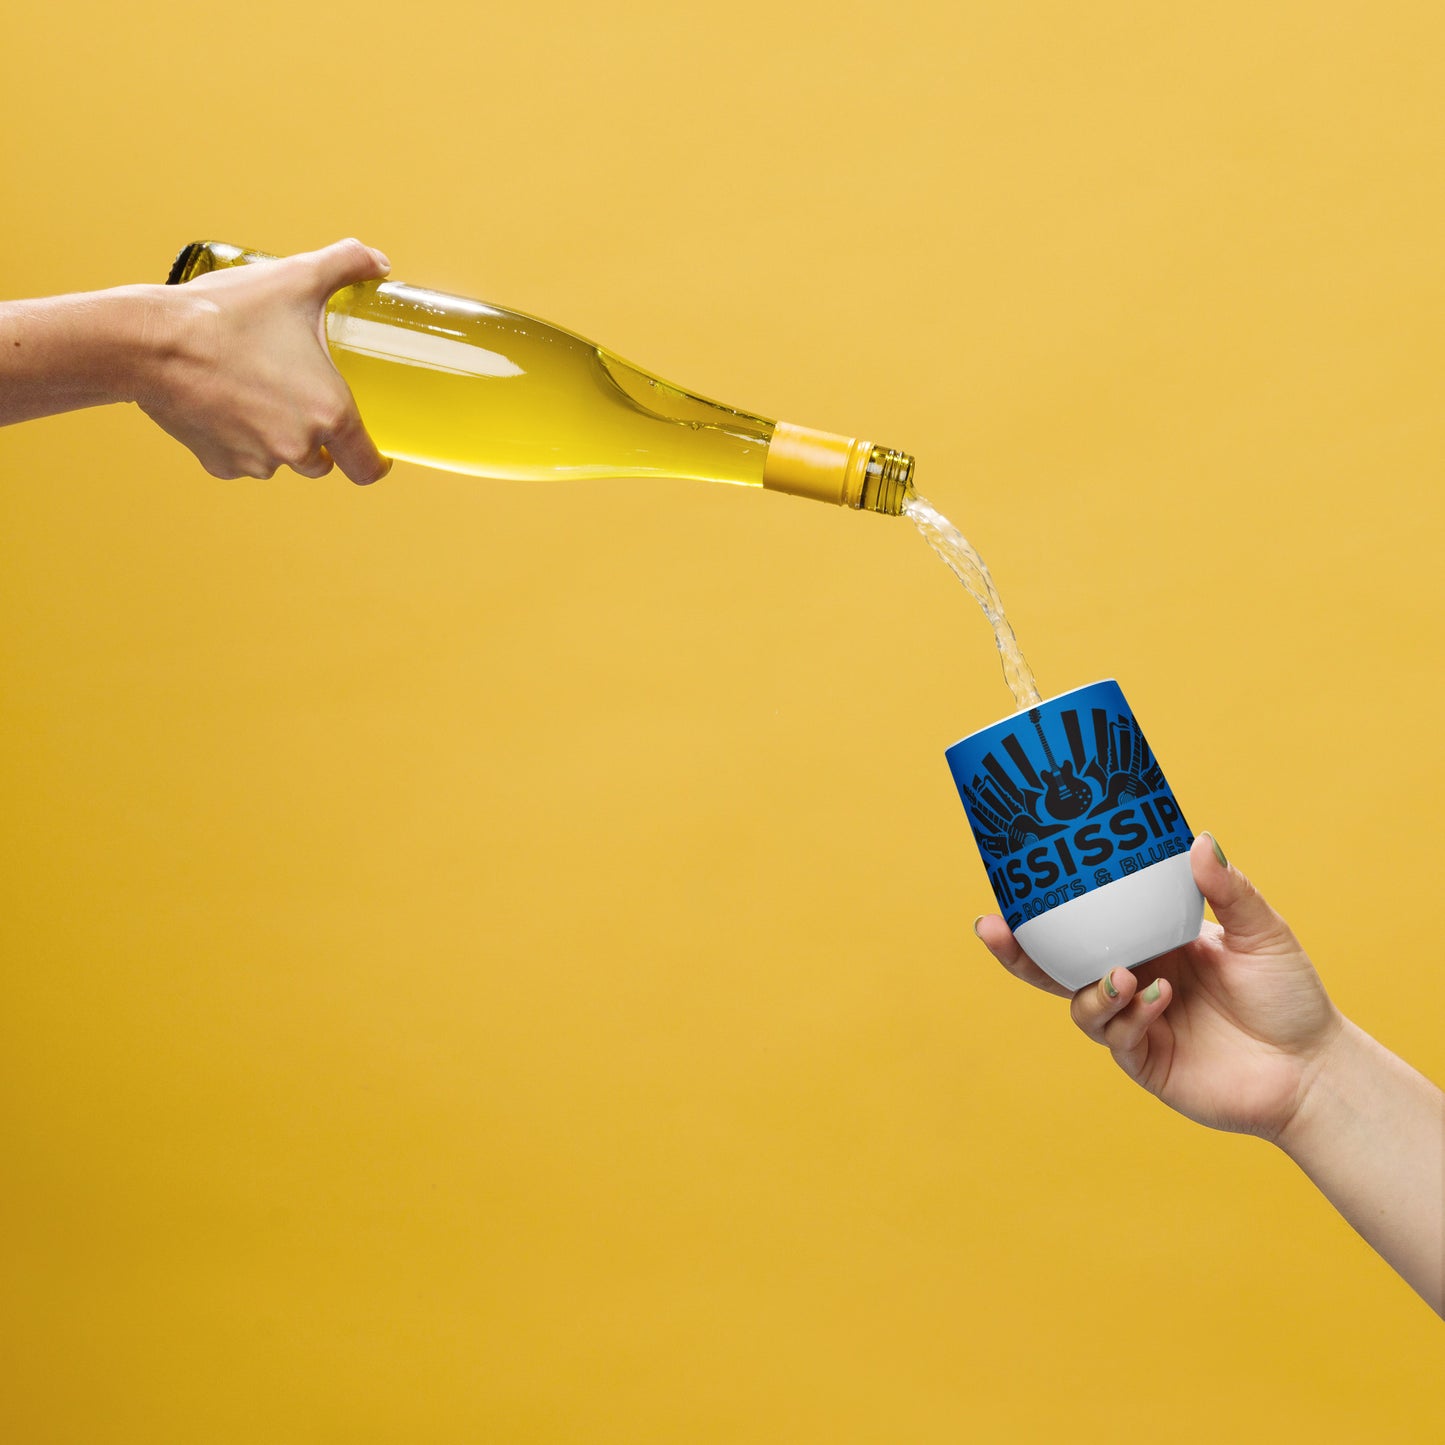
(472, 387)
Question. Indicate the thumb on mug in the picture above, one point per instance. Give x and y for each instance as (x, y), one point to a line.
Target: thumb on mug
(1248, 921)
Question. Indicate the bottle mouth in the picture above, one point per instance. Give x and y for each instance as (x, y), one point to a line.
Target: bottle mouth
(887, 481)
(184, 266)
(201, 257)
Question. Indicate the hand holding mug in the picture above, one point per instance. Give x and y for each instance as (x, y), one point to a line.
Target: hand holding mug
(1225, 1029)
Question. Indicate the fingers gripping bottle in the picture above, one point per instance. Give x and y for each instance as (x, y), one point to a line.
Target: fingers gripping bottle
(471, 387)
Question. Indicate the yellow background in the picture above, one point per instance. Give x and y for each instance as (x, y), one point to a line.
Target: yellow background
(494, 964)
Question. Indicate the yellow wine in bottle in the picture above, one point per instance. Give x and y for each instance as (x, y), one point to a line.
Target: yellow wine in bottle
(471, 387)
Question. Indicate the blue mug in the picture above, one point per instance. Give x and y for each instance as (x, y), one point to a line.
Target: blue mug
(1084, 842)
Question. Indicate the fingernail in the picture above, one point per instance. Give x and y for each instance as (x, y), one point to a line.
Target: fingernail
(1218, 851)
(976, 922)
(382, 258)
(1108, 982)
(1151, 994)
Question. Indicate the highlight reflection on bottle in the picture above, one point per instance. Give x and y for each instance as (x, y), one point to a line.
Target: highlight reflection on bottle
(470, 387)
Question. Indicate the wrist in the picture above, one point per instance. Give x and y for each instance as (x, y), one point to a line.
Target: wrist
(169, 334)
(1333, 1094)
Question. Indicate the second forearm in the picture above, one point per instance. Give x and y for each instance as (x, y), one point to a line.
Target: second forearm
(1371, 1135)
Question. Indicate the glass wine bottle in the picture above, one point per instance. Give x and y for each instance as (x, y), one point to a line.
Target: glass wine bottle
(472, 387)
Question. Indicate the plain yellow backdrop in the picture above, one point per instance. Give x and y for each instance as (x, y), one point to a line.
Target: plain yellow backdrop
(493, 963)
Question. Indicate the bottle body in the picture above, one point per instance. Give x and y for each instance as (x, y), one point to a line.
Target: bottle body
(474, 388)
(471, 387)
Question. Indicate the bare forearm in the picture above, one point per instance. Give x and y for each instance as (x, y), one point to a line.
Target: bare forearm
(65, 352)
(1371, 1134)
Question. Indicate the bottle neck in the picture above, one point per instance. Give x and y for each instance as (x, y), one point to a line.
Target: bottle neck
(845, 471)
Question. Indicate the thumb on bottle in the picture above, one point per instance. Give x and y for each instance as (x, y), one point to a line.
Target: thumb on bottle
(344, 263)
(1248, 921)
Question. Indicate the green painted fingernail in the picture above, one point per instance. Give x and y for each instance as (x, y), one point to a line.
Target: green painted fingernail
(1109, 985)
(1151, 994)
(1218, 851)
(976, 922)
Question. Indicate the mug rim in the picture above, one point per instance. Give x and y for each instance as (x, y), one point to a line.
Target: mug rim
(1024, 711)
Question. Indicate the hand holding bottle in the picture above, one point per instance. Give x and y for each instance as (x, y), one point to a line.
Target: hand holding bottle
(235, 366)
(1235, 1031)
(240, 363)
(249, 385)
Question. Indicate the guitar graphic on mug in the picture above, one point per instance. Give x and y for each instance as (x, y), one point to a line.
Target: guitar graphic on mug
(1066, 796)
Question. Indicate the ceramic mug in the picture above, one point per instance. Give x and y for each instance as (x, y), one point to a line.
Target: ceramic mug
(1085, 845)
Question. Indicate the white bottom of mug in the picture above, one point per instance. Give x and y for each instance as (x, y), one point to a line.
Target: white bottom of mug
(1123, 924)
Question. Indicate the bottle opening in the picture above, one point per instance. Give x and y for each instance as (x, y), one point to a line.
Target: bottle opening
(887, 481)
(183, 267)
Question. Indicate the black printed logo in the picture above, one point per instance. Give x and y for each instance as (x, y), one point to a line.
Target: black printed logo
(1065, 799)
(1030, 793)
